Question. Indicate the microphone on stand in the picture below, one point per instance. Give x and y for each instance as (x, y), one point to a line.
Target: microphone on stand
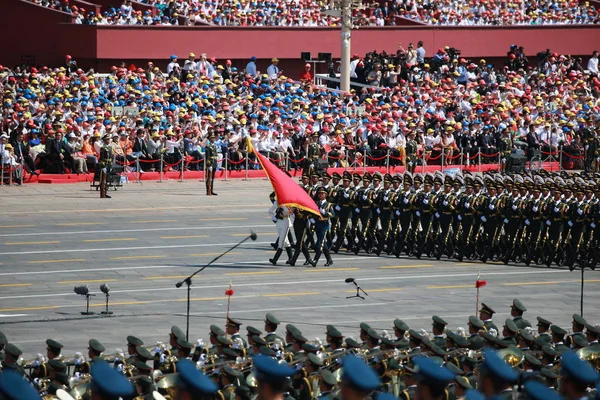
(358, 289)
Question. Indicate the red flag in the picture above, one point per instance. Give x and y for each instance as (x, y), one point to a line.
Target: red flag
(288, 192)
(480, 282)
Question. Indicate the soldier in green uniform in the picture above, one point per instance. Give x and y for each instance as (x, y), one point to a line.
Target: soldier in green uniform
(446, 203)
(543, 326)
(577, 326)
(517, 309)
(485, 314)
(424, 213)
(344, 207)
(555, 213)
(322, 226)
(512, 213)
(211, 154)
(105, 166)
(534, 220)
(227, 380)
(364, 198)
(505, 147)
(132, 344)
(403, 204)
(384, 201)
(233, 330)
(312, 154)
(327, 385)
(411, 153)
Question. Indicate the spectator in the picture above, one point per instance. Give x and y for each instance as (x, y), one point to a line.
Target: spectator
(251, 67)
(306, 76)
(592, 65)
(273, 69)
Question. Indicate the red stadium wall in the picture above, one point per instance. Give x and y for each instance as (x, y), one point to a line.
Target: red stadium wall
(49, 36)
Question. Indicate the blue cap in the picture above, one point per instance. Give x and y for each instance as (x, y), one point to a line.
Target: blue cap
(496, 366)
(194, 380)
(253, 58)
(575, 368)
(110, 381)
(359, 375)
(269, 370)
(538, 391)
(432, 373)
(384, 396)
(13, 386)
(473, 394)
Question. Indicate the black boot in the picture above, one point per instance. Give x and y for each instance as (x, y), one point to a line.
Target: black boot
(316, 260)
(292, 260)
(328, 258)
(289, 253)
(274, 259)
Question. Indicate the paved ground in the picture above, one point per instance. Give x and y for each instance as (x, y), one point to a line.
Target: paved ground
(148, 237)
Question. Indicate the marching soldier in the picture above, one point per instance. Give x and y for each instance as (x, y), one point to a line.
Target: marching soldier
(301, 232)
(384, 201)
(364, 209)
(322, 226)
(425, 213)
(211, 155)
(404, 204)
(446, 205)
(344, 208)
(105, 165)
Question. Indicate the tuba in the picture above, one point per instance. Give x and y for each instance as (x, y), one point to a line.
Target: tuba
(513, 356)
(591, 355)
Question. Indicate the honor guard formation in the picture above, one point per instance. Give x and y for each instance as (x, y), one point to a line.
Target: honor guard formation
(533, 217)
(478, 362)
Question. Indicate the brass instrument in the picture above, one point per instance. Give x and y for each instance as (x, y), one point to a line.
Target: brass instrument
(167, 385)
(591, 355)
(82, 391)
(512, 356)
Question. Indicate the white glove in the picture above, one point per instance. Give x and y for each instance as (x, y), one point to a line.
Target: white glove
(357, 210)
(491, 207)
(378, 211)
(346, 195)
(274, 219)
(570, 223)
(338, 208)
(460, 217)
(437, 215)
(593, 225)
(556, 209)
(506, 220)
(445, 203)
(364, 197)
(397, 212)
(548, 223)
(514, 207)
(467, 205)
(483, 218)
(527, 222)
(312, 220)
(405, 201)
(534, 209)
(385, 198)
(418, 213)
(323, 211)
(425, 201)
(579, 211)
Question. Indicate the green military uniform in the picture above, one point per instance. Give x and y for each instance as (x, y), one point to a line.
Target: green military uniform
(105, 166)
(211, 155)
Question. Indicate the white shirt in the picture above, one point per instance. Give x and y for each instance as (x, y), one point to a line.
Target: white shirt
(592, 65)
(251, 68)
(272, 71)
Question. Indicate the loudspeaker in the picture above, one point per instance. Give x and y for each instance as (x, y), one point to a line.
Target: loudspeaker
(321, 165)
(325, 57)
(305, 56)
(517, 161)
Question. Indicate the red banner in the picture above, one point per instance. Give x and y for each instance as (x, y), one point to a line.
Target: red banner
(288, 192)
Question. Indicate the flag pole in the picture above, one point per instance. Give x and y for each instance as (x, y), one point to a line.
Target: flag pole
(229, 292)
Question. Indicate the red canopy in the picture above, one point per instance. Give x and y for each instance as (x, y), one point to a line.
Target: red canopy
(288, 192)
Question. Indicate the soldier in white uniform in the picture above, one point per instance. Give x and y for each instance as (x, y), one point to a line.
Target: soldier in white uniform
(281, 216)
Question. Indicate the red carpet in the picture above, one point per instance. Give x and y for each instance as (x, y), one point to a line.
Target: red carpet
(254, 174)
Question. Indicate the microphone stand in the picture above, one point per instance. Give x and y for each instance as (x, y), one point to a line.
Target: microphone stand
(188, 281)
(358, 291)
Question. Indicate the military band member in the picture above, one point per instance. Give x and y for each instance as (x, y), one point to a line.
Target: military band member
(485, 314)
(132, 344)
(438, 328)
(517, 309)
(193, 384)
(228, 381)
(328, 383)
(271, 324)
(543, 326)
(233, 330)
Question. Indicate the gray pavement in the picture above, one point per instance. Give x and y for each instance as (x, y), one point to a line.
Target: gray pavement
(148, 237)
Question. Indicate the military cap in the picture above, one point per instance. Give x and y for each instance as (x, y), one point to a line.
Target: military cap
(488, 337)
(227, 370)
(216, 331)
(314, 359)
(305, 176)
(462, 342)
(328, 377)
(470, 361)
(418, 178)
(528, 337)
(511, 326)
(373, 334)
(543, 321)
(495, 366)
(310, 348)
(290, 328)
(389, 342)
(13, 350)
(367, 177)
(194, 381)
(326, 175)
(347, 177)
(592, 329)
(437, 350)
(431, 373)
(244, 392)
(538, 391)
(333, 332)
(487, 309)
(548, 373)
(549, 350)
(259, 341)
(414, 335)
(533, 361)
(53, 344)
(142, 367)
(364, 326)
(438, 321)
(14, 387)
(253, 331)
(557, 330)
(321, 189)
(462, 381)
(519, 305)
(359, 375)
(335, 175)
(396, 179)
(356, 176)
(298, 337)
(110, 382)
(177, 332)
(575, 368)
(352, 344)
(145, 382)
(144, 354)
(234, 322)
(476, 322)
(57, 365)
(3, 339)
(400, 325)
(224, 340)
(454, 369)
(96, 346)
(269, 370)
(578, 319)
(229, 352)
(271, 319)
(580, 341)
(184, 344)
(267, 351)
(133, 341)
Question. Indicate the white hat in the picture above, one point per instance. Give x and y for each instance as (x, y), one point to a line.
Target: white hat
(72, 135)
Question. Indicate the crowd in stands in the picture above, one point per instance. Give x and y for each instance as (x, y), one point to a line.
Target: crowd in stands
(309, 14)
(54, 118)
